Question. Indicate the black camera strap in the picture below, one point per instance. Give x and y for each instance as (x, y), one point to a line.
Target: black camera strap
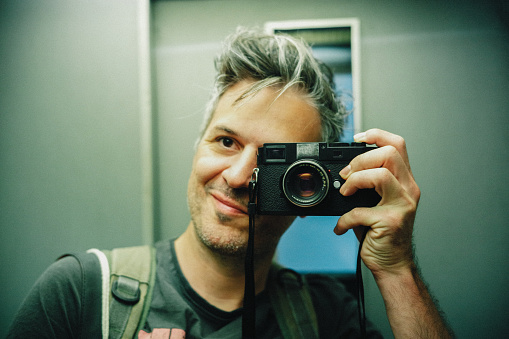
(249, 316)
(361, 307)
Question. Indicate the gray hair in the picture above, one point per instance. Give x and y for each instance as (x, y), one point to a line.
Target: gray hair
(277, 60)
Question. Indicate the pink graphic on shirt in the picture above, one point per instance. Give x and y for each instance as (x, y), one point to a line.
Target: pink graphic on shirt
(163, 333)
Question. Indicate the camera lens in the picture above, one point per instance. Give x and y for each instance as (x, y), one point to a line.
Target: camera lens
(305, 183)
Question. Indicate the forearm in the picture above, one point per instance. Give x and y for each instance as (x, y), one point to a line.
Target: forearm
(410, 308)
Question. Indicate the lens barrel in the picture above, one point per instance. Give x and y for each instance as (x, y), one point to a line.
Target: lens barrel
(305, 183)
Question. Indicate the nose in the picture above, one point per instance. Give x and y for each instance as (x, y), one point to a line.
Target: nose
(238, 174)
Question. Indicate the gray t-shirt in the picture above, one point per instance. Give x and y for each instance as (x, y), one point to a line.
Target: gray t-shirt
(65, 303)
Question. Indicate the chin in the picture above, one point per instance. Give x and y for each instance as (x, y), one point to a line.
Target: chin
(226, 246)
(222, 238)
(228, 236)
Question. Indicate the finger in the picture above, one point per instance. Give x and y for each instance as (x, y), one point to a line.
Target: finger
(387, 157)
(381, 220)
(383, 138)
(343, 227)
(361, 216)
(381, 179)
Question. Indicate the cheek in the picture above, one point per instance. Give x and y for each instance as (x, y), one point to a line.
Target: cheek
(206, 169)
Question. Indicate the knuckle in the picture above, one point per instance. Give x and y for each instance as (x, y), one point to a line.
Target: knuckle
(399, 142)
(373, 131)
(390, 151)
(411, 204)
(417, 194)
(385, 174)
(355, 213)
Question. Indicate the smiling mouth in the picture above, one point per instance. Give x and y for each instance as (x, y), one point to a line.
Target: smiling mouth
(228, 206)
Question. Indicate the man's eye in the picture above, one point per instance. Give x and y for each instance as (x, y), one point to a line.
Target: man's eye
(226, 142)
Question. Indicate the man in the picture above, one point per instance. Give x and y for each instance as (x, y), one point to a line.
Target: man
(268, 89)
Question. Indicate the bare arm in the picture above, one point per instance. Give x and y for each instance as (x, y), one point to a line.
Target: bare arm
(411, 310)
(387, 249)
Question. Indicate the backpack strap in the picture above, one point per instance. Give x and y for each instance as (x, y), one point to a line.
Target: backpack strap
(128, 290)
(105, 284)
(291, 300)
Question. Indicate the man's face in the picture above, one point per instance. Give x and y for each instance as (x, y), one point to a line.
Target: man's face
(225, 159)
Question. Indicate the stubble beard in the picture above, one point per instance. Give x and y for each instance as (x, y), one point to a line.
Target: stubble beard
(217, 232)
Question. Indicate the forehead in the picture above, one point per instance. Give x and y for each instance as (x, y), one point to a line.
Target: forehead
(268, 115)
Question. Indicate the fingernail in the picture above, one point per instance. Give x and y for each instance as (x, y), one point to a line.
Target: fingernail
(345, 171)
(360, 137)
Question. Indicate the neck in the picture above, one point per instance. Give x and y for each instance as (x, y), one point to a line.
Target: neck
(218, 278)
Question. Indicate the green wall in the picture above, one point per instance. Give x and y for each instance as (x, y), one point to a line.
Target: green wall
(70, 163)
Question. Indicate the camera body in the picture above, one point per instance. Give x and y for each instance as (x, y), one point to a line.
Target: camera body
(303, 179)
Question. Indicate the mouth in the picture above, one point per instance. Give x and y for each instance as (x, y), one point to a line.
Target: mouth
(228, 206)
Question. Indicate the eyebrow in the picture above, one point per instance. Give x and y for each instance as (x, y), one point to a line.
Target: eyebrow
(225, 129)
